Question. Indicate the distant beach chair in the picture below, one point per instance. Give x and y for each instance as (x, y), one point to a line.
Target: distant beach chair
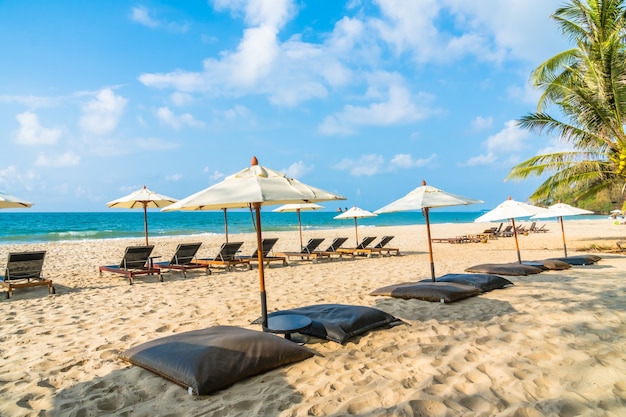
(184, 259)
(307, 252)
(362, 248)
(382, 246)
(136, 261)
(24, 269)
(506, 232)
(268, 256)
(332, 249)
(227, 257)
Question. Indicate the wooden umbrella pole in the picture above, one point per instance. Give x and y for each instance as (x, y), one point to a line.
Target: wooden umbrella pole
(299, 227)
(430, 245)
(563, 235)
(225, 224)
(519, 257)
(356, 233)
(145, 221)
(259, 243)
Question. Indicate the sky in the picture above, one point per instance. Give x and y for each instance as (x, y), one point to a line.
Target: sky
(364, 98)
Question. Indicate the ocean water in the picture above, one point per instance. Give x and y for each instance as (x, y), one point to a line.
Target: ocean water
(31, 227)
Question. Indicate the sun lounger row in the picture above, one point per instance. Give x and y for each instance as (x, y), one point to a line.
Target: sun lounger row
(24, 269)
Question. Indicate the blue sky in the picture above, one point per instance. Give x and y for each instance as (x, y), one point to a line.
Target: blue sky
(363, 98)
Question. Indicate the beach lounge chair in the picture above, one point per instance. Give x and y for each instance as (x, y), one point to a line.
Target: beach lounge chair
(332, 249)
(362, 248)
(136, 261)
(184, 259)
(533, 228)
(268, 256)
(382, 248)
(307, 252)
(24, 269)
(227, 257)
(506, 232)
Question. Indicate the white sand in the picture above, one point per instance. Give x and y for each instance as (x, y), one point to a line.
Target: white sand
(554, 344)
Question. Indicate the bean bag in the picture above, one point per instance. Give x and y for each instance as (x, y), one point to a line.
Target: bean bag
(444, 292)
(207, 360)
(340, 322)
(505, 269)
(484, 282)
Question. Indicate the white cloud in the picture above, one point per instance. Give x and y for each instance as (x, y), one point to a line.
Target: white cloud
(145, 17)
(174, 177)
(405, 161)
(399, 107)
(298, 170)
(31, 101)
(215, 176)
(181, 99)
(65, 159)
(31, 132)
(102, 115)
(177, 122)
(482, 123)
(154, 144)
(141, 14)
(504, 144)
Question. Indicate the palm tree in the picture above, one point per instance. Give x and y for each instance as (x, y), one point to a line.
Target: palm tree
(587, 84)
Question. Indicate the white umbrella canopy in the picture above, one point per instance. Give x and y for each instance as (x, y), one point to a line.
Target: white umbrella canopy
(424, 198)
(561, 210)
(298, 208)
(142, 198)
(254, 187)
(9, 201)
(511, 209)
(356, 213)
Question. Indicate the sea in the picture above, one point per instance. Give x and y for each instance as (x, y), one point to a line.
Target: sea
(34, 227)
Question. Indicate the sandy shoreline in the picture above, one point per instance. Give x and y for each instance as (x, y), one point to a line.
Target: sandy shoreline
(551, 345)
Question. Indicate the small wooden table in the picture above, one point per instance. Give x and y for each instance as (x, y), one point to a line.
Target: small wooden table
(287, 324)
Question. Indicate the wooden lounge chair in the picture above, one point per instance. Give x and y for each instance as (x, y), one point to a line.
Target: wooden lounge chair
(506, 232)
(307, 252)
(332, 249)
(533, 228)
(382, 248)
(136, 261)
(24, 269)
(362, 248)
(227, 257)
(268, 256)
(184, 259)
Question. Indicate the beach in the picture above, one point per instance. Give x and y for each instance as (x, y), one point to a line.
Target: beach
(551, 345)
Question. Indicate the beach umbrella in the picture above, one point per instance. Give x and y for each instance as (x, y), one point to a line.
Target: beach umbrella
(142, 198)
(298, 207)
(355, 213)
(559, 211)
(424, 198)
(254, 187)
(8, 201)
(511, 210)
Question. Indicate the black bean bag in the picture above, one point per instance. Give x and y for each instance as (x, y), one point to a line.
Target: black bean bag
(207, 360)
(444, 292)
(484, 282)
(580, 259)
(505, 269)
(550, 264)
(340, 322)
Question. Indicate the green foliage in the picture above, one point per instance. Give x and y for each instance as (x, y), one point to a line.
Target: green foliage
(587, 84)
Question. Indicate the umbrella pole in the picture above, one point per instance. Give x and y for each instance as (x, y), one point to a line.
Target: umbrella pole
(563, 235)
(145, 221)
(259, 242)
(519, 257)
(225, 225)
(299, 227)
(356, 233)
(430, 245)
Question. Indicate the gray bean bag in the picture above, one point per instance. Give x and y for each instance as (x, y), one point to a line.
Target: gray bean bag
(340, 322)
(579, 259)
(505, 269)
(484, 282)
(445, 292)
(207, 360)
(550, 264)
